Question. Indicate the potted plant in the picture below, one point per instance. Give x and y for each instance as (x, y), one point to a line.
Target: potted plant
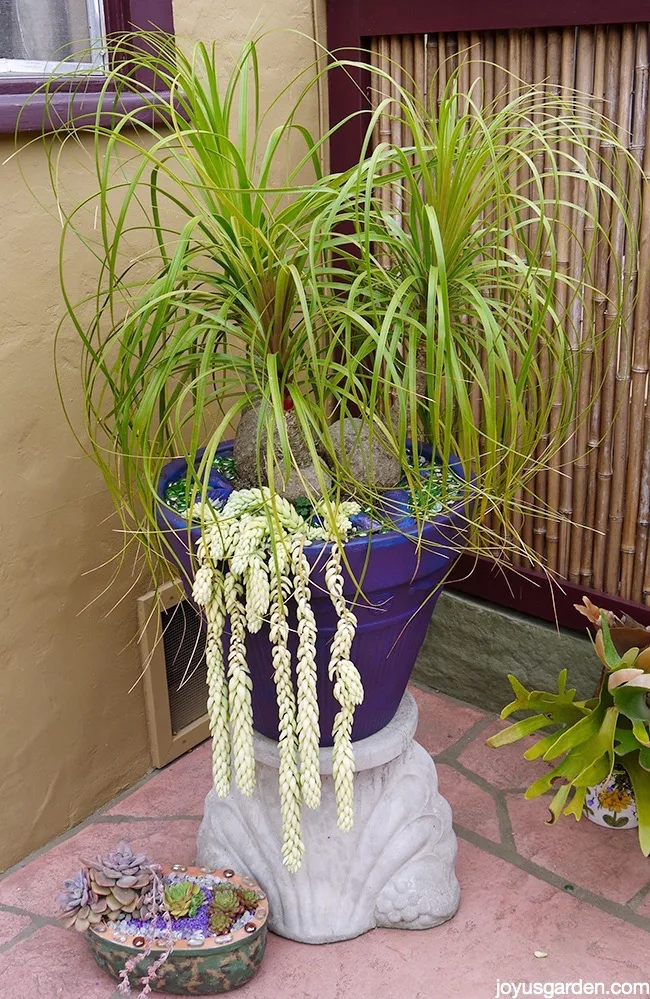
(176, 929)
(602, 744)
(385, 345)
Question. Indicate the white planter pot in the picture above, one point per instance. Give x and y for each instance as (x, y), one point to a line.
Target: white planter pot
(611, 803)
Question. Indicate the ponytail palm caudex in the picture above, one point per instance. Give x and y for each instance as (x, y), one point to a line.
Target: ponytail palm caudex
(421, 293)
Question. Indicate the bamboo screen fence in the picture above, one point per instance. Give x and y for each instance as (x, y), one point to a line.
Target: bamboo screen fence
(604, 479)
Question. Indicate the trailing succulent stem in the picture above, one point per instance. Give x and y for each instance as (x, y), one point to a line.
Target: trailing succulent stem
(258, 531)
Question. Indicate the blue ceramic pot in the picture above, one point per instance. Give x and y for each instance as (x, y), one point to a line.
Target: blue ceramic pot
(400, 588)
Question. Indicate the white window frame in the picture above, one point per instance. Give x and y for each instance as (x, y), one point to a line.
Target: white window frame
(39, 67)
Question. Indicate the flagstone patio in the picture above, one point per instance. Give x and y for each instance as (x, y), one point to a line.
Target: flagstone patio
(576, 893)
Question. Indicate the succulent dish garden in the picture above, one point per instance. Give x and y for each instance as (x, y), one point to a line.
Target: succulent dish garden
(145, 922)
(600, 747)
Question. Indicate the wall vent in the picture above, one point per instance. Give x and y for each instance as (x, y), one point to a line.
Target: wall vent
(172, 647)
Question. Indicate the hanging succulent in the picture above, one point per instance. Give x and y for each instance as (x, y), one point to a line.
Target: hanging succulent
(183, 898)
(251, 560)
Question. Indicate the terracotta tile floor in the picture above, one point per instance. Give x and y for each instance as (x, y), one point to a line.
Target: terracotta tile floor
(578, 893)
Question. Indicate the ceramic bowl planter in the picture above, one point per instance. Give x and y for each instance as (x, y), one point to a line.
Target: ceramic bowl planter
(180, 930)
(202, 964)
(611, 803)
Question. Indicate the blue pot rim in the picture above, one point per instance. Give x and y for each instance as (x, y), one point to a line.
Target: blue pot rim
(407, 526)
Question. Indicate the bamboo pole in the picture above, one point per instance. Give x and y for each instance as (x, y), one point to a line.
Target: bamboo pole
(585, 537)
(527, 57)
(540, 526)
(603, 550)
(508, 45)
(527, 72)
(488, 100)
(419, 63)
(637, 511)
(473, 83)
(626, 473)
(443, 66)
(451, 50)
(513, 85)
(395, 43)
(408, 83)
(591, 570)
(375, 62)
(554, 554)
(569, 233)
(463, 73)
(477, 67)
(431, 70)
(408, 62)
(487, 55)
(590, 73)
(476, 85)
(385, 131)
(383, 88)
(501, 41)
(535, 525)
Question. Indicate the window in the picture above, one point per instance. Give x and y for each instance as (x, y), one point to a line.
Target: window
(39, 41)
(39, 38)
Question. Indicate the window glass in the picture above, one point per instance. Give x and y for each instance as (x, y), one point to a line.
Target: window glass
(42, 33)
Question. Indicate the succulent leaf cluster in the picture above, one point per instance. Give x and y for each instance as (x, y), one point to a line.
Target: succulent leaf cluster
(121, 878)
(80, 906)
(183, 898)
(228, 904)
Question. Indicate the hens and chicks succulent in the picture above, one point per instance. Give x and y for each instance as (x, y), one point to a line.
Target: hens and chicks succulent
(228, 904)
(183, 898)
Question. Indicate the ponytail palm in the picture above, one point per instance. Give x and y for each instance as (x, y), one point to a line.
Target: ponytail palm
(465, 308)
(204, 303)
(423, 291)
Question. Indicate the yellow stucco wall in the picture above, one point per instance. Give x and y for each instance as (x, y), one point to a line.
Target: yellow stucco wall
(71, 734)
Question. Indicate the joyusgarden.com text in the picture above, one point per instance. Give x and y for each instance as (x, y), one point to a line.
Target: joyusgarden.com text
(580, 987)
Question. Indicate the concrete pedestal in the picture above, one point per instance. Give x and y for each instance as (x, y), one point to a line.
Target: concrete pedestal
(395, 868)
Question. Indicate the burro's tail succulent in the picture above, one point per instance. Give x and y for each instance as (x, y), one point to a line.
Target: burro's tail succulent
(80, 906)
(183, 898)
(121, 878)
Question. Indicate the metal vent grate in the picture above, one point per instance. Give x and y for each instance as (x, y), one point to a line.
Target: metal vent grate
(184, 648)
(172, 647)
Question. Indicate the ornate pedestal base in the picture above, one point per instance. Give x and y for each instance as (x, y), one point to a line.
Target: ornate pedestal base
(396, 867)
